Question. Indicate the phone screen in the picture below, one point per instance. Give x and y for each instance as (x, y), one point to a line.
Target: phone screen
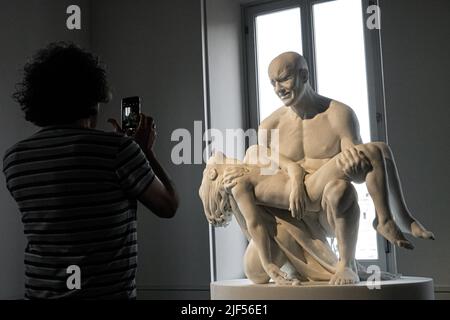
(131, 108)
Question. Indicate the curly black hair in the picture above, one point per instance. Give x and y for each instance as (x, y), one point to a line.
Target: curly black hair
(61, 84)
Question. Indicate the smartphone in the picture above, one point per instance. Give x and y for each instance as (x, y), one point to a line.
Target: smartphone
(131, 108)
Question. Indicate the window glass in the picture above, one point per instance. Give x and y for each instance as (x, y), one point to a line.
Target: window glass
(276, 33)
(341, 75)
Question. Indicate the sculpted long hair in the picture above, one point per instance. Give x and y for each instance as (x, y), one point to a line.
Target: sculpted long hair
(219, 205)
(216, 201)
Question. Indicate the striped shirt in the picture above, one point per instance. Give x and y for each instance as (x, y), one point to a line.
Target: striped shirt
(76, 189)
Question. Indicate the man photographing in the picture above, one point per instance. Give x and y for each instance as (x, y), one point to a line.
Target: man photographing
(77, 187)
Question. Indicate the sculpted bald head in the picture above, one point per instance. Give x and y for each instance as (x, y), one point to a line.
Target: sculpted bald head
(289, 75)
(288, 60)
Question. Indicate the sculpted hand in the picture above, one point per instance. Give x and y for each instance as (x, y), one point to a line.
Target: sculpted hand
(296, 197)
(354, 164)
(296, 202)
(231, 174)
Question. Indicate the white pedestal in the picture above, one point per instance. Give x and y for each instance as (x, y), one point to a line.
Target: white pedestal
(403, 288)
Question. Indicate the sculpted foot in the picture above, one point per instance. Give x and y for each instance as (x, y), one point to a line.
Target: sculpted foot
(280, 277)
(419, 231)
(344, 275)
(391, 232)
(286, 282)
(296, 282)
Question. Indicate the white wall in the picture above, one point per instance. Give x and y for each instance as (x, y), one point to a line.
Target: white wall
(154, 49)
(25, 26)
(227, 112)
(416, 51)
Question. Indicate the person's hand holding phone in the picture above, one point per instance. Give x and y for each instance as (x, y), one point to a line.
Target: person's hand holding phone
(145, 133)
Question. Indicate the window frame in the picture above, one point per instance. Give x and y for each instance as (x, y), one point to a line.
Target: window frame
(375, 80)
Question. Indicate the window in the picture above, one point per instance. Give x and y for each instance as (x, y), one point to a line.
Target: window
(271, 40)
(331, 34)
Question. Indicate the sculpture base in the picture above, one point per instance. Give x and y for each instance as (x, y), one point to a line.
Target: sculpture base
(404, 288)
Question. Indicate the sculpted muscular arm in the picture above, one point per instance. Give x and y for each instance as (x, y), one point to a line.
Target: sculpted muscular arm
(353, 162)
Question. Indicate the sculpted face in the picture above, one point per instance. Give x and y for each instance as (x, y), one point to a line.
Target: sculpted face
(288, 75)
